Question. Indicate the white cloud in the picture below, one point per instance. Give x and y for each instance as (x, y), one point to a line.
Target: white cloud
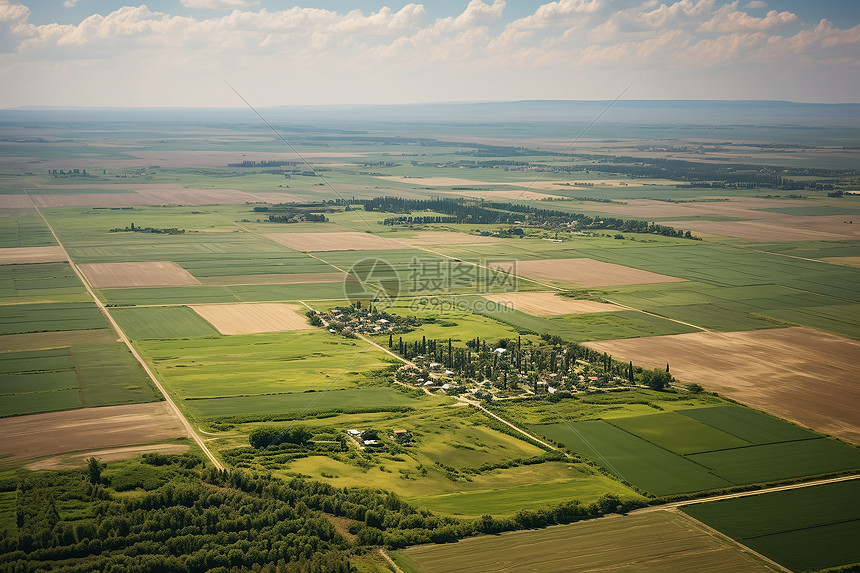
(756, 4)
(561, 14)
(70, 3)
(564, 48)
(728, 19)
(218, 4)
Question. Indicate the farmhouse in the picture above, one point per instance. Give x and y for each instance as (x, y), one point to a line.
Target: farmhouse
(402, 436)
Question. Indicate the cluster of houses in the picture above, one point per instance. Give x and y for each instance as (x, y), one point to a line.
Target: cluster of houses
(434, 377)
(370, 438)
(431, 376)
(357, 320)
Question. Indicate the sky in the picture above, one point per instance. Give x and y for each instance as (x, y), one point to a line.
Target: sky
(179, 53)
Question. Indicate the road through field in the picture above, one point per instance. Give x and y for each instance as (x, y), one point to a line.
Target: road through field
(131, 348)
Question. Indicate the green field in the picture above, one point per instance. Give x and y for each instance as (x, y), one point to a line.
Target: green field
(676, 452)
(643, 464)
(750, 425)
(297, 404)
(282, 362)
(206, 294)
(783, 460)
(162, 322)
(25, 231)
(656, 541)
(40, 283)
(804, 529)
(678, 433)
(46, 317)
(76, 376)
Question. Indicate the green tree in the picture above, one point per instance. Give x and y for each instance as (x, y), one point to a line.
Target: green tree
(94, 469)
(656, 379)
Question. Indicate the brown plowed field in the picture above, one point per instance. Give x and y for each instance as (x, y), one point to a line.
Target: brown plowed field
(584, 272)
(549, 304)
(32, 255)
(800, 374)
(252, 318)
(119, 275)
(347, 241)
(38, 435)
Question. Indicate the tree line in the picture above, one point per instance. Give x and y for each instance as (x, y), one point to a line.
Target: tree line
(223, 521)
(457, 210)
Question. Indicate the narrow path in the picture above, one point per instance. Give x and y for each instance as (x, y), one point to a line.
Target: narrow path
(390, 561)
(702, 328)
(676, 504)
(170, 403)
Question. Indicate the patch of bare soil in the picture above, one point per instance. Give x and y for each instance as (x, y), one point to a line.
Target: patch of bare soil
(37, 435)
(14, 255)
(119, 275)
(252, 318)
(583, 272)
(800, 374)
(549, 304)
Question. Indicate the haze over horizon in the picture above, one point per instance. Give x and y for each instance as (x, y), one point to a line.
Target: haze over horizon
(178, 53)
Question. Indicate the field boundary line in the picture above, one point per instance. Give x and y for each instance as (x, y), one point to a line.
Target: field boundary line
(723, 538)
(170, 403)
(722, 497)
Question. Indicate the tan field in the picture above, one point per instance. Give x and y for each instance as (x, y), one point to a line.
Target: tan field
(298, 278)
(549, 304)
(584, 272)
(445, 238)
(764, 231)
(804, 375)
(32, 255)
(848, 261)
(252, 318)
(70, 461)
(15, 202)
(119, 275)
(346, 241)
(37, 435)
(504, 194)
(645, 542)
